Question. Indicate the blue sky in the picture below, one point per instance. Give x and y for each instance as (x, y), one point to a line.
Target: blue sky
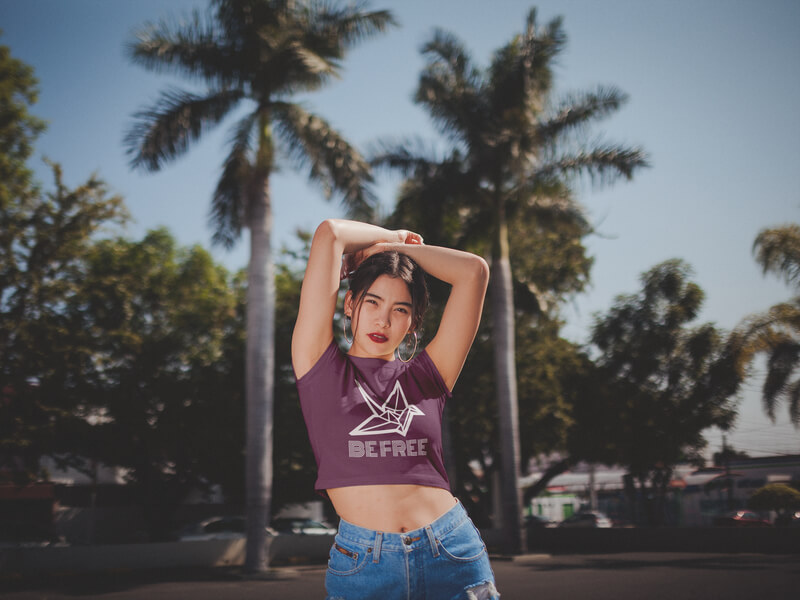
(713, 87)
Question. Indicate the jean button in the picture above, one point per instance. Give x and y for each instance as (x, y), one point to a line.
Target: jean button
(407, 541)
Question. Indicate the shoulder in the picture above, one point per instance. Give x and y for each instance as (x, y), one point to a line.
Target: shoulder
(330, 357)
(423, 369)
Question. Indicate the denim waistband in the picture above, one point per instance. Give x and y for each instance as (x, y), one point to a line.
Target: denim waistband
(408, 541)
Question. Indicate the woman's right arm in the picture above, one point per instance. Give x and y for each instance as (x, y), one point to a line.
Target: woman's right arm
(313, 330)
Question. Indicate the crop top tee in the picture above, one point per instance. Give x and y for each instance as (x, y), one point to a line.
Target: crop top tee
(372, 421)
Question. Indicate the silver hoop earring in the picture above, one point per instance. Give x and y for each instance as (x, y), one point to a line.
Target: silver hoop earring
(405, 360)
(344, 330)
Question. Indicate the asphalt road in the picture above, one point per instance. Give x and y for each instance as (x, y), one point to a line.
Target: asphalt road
(652, 576)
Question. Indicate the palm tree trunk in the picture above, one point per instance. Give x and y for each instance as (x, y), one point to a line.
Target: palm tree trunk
(260, 370)
(506, 386)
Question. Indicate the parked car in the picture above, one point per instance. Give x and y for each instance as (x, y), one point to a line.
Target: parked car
(740, 518)
(794, 519)
(588, 519)
(538, 522)
(217, 528)
(302, 527)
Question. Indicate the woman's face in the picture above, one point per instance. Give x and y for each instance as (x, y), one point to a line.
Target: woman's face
(382, 319)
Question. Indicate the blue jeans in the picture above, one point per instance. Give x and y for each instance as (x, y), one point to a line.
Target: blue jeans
(445, 560)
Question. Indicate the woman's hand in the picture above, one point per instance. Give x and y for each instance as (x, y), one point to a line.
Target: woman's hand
(409, 237)
(350, 262)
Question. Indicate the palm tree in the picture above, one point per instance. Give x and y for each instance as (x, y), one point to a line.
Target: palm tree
(258, 53)
(776, 332)
(512, 159)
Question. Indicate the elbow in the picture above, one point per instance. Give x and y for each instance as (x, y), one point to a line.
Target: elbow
(326, 229)
(481, 270)
(476, 274)
(328, 232)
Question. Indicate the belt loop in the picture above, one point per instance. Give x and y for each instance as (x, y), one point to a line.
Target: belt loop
(376, 555)
(432, 540)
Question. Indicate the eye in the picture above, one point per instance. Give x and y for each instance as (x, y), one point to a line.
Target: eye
(402, 309)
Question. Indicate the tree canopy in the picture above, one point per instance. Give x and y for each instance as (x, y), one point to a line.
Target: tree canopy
(513, 153)
(662, 382)
(775, 333)
(45, 237)
(18, 129)
(780, 497)
(258, 54)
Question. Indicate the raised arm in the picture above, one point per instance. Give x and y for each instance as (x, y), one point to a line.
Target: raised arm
(468, 274)
(313, 330)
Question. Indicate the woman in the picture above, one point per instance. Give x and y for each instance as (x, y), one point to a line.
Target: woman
(374, 418)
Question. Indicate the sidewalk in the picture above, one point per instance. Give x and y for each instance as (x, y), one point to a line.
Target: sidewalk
(305, 582)
(656, 576)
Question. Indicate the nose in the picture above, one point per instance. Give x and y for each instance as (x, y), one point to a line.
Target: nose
(384, 319)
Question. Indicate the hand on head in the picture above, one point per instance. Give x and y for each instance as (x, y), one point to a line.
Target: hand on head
(351, 261)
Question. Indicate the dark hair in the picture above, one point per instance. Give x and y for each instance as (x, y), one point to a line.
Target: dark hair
(394, 264)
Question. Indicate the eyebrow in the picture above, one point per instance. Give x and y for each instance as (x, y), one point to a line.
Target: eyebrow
(408, 304)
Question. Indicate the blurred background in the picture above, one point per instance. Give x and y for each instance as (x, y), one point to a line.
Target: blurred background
(642, 308)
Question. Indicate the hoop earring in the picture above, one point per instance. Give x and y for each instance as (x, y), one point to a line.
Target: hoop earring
(405, 360)
(344, 330)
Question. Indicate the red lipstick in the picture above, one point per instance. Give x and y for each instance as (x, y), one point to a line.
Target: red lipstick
(378, 338)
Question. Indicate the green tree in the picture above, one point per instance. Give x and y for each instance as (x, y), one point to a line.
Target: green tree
(515, 153)
(295, 466)
(660, 383)
(18, 130)
(43, 347)
(550, 265)
(775, 333)
(780, 497)
(260, 53)
(167, 384)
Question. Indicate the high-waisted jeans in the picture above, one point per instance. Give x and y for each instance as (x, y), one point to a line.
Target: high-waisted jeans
(445, 560)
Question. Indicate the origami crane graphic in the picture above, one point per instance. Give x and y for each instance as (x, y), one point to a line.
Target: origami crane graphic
(393, 416)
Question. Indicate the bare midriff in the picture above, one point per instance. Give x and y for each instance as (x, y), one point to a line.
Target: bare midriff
(391, 508)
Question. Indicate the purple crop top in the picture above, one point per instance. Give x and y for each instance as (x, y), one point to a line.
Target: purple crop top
(372, 421)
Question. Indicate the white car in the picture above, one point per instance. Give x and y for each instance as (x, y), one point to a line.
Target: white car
(302, 527)
(217, 528)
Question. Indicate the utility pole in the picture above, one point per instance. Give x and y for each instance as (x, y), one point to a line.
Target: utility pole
(592, 488)
(728, 480)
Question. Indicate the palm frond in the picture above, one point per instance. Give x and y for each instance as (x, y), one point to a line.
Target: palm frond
(578, 110)
(782, 362)
(450, 86)
(194, 48)
(761, 331)
(793, 396)
(331, 161)
(228, 206)
(521, 72)
(446, 50)
(314, 63)
(777, 250)
(165, 130)
(348, 25)
(410, 156)
(602, 164)
(286, 65)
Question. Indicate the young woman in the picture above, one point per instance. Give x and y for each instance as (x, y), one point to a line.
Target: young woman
(374, 414)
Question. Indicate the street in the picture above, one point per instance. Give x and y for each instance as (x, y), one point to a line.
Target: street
(654, 576)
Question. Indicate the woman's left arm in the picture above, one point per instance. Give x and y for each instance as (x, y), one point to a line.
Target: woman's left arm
(468, 274)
